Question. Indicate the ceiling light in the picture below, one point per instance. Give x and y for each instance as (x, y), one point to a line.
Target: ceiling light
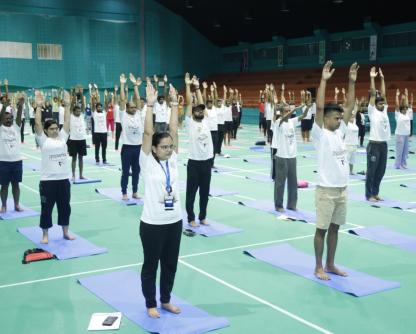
(337, 1)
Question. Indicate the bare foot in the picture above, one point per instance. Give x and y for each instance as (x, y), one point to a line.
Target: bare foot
(68, 237)
(292, 209)
(378, 198)
(82, 177)
(3, 209)
(193, 223)
(204, 222)
(336, 271)
(280, 209)
(136, 196)
(125, 197)
(18, 208)
(171, 308)
(44, 240)
(372, 199)
(153, 313)
(321, 274)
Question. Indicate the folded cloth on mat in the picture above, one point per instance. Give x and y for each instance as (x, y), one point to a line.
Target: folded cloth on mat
(85, 180)
(12, 214)
(268, 206)
(63, 249)
(212, 230)
(258, 161)
(386, 236)
(121, 290)
(390, 203)
(260, 178)
(259, 149)
(115, 194)
(288, 258)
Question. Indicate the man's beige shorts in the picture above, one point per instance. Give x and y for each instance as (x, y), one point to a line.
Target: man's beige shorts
(331, 206)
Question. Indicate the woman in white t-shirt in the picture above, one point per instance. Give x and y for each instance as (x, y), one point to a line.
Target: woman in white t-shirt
(11, 170)
(77, 142)
(161, 220)
(402, 115)
(54, 185)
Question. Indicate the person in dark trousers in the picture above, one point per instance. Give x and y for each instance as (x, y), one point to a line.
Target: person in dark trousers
(360, 121)
(161, 220)
(219, 108)
(212, 117)
(200, 154)
(99, 117)
(379, 136)
(54, 185)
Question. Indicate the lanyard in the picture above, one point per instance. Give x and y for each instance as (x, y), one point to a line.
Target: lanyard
(167, 174)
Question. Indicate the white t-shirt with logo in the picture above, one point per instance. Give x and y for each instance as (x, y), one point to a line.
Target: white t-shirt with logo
(161, 112)
(155, 190)
(132, 128)
(212, 119)
(402, 123)
(55, 164)
(200, 140)
(10, 143)
(77, 128)
(100, 121)
(379, 123)
(220, 114)
(333, 168)
(351, 135)
(286, 139)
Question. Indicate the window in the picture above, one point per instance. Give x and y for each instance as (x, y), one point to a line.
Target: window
(267, 53)
(15, 50)
(303, 50)
(50, 51)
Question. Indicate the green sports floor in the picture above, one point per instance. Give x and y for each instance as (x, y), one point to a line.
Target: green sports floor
(213, 273)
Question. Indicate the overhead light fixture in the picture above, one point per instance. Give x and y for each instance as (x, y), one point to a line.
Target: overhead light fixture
(337, 2)
(189, 4)
(284, 8)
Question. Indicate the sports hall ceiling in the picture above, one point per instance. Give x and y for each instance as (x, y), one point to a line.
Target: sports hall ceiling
(227, 22)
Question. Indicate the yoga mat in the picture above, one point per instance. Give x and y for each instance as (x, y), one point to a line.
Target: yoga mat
(63, 249)
(268, 206)
(12, 214)
(357, 177)
(258, 161)
(259, 149)
(260, 178)
(386, 236)
(217, 192)
(214, 228)
(407, 170)
(121, 290)
(115, 194)
(84, 181)
(223, 169)
(286, 257)
(410, 186)
(93, 163)
(390, 203)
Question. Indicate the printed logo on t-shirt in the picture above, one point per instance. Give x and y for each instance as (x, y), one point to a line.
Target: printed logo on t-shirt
(9, 139)
(340, 156)
(59, 158)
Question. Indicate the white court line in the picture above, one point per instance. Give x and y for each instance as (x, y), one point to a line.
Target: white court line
(246, 197)
(257, 299)
(29, 188)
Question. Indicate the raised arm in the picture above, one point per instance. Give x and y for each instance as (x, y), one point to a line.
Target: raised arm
(188, 94)
(406, 98)
(373, 75)
(67, 115)
(136, 83)
(173, 123)
(397, 100)
(382, 85)
(327, 73)
(195, 83)
(204, 91)
(20, 104)
(3, 112)
(151, 96)
(123, 98)
(282, 94)
(350, 103)
(40, 100)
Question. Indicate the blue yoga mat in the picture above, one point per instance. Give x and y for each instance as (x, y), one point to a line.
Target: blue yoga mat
(258, 161)
(410, 186)
(217, 192)
(260, 178)
(63, 249)
(86, 180)
(260, 149)
(268, 206)
(115, 194)
(12, 214)
(288, 258)
(386, 202)
(121, 290)
(386, 236)
(214, 228)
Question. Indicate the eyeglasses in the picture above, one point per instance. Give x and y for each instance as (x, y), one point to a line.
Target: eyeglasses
(167, 147)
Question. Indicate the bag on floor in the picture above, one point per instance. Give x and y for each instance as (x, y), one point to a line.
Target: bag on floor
(36, 254)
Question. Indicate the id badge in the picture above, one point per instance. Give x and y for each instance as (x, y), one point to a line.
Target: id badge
(168, 202)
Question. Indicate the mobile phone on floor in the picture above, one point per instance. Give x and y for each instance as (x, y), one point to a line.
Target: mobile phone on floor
(109, 321)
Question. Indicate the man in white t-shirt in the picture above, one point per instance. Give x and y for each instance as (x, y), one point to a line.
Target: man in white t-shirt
(331, 193)
(200, 155)
(379, 136)
(10, 160)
